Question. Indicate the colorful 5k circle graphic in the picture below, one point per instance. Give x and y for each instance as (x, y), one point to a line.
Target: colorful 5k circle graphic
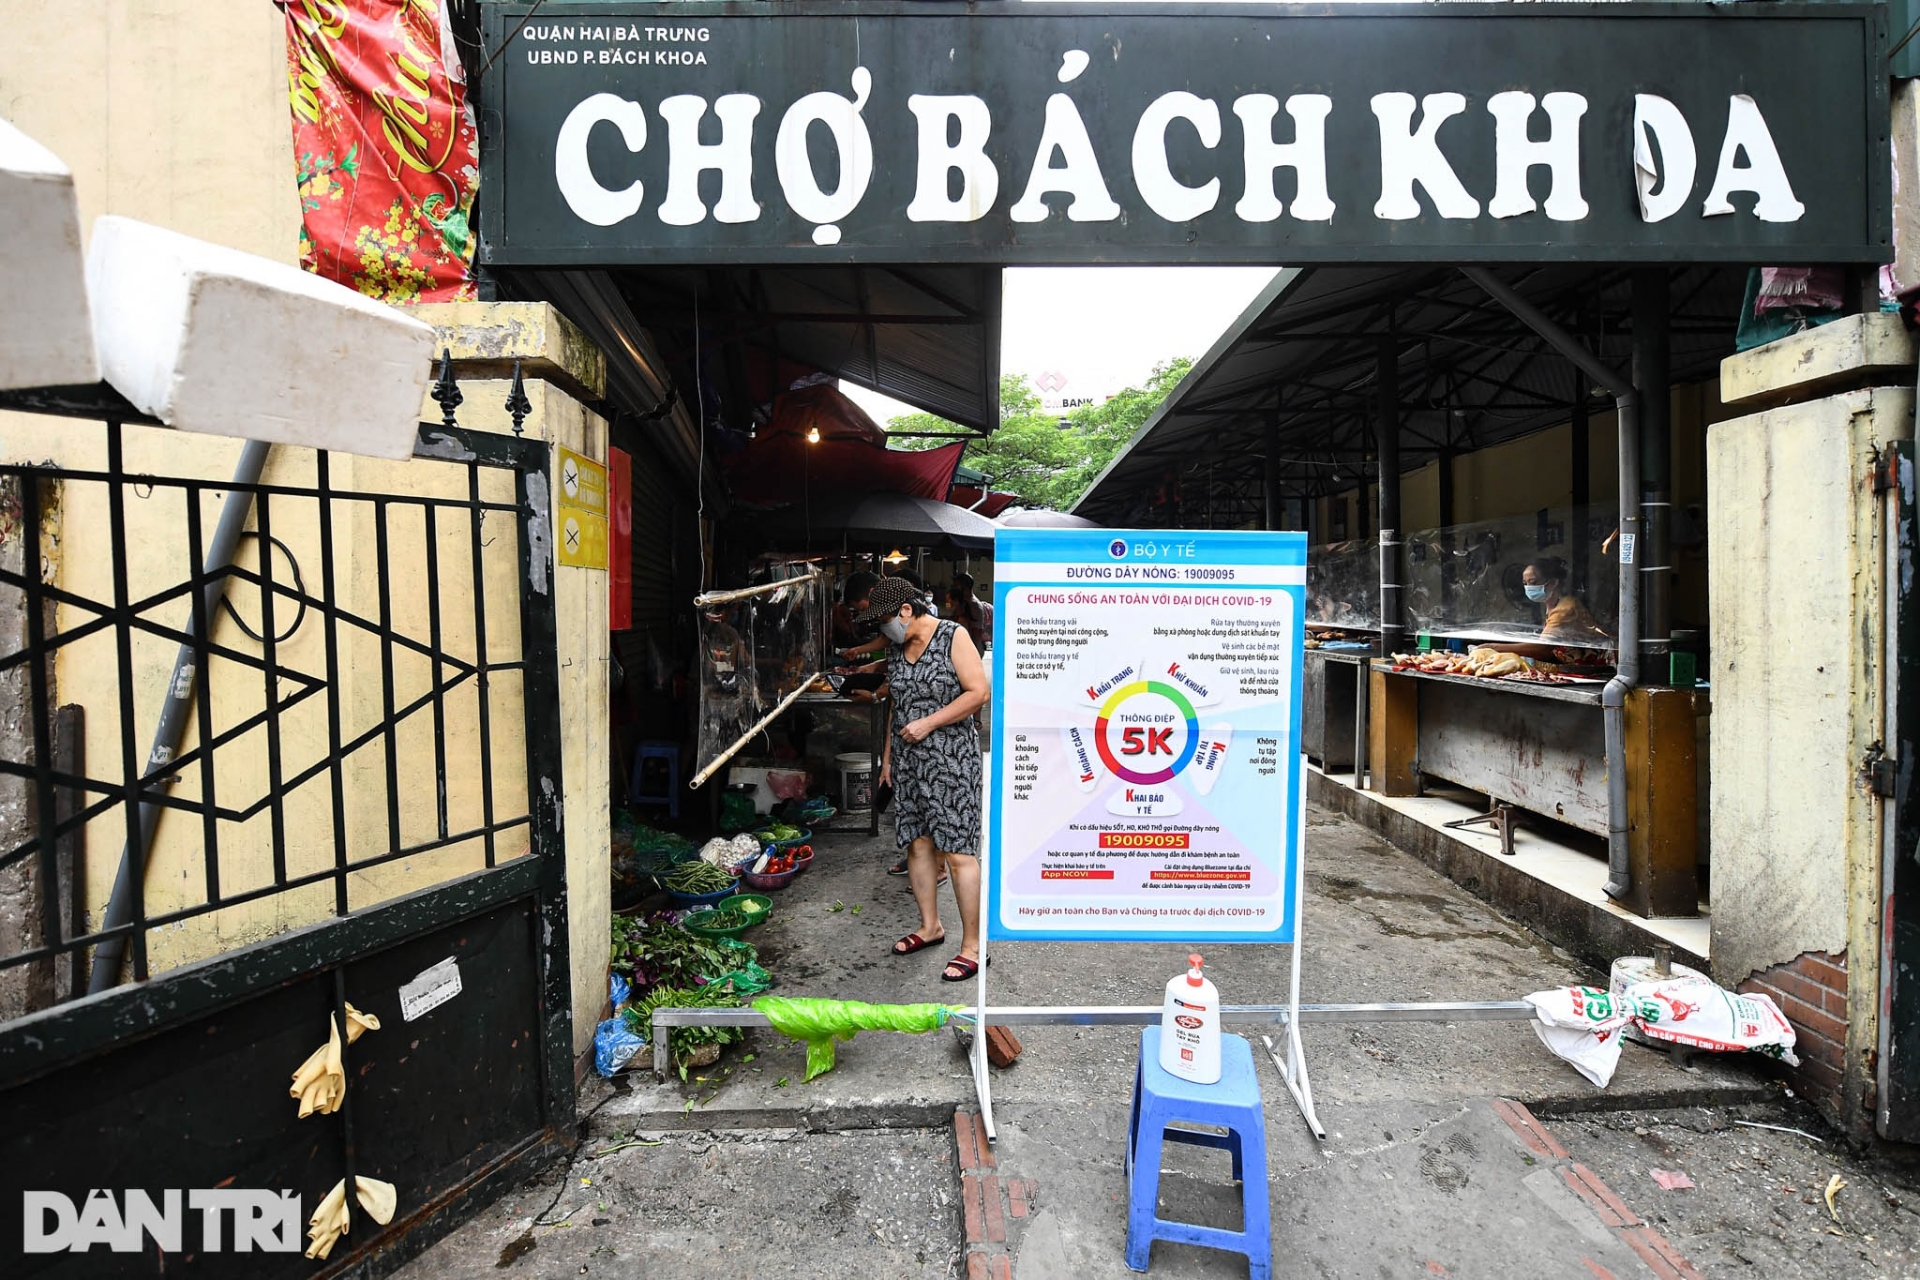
(1103, 729)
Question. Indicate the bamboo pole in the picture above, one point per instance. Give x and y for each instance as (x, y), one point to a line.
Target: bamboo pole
(746, 737)
(711, 598)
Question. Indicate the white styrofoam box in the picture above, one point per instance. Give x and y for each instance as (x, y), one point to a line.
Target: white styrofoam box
(207, 338)
(46, 338)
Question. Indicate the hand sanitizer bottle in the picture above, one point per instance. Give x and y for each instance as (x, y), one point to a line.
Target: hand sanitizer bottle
(1190, 1027)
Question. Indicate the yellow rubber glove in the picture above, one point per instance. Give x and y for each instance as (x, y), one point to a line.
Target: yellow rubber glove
(329, 1221)
(321, 1081)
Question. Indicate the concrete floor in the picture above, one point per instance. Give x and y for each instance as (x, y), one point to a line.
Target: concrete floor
(756, 1173)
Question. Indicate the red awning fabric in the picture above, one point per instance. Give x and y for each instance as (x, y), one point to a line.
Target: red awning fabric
(850, 458)
(965, 495)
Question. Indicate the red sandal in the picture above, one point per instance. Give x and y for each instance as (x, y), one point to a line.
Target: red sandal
(914, 942)
(968, 968)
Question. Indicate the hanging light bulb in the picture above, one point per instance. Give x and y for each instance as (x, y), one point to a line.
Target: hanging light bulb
(898, 557)
(813, 435)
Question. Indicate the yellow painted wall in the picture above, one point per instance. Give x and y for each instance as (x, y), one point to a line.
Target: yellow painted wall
(171, 111)
(175, 112)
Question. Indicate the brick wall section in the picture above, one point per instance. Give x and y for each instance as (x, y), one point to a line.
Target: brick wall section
(1812, 991)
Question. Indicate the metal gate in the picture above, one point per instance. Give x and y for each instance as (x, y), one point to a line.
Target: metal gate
(363, 808)
(1897, 1077)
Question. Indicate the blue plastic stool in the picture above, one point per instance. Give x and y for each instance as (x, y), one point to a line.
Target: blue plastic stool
(669, 754)
(1161, 1099)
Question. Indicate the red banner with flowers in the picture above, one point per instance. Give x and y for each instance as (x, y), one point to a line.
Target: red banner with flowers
(387, 152)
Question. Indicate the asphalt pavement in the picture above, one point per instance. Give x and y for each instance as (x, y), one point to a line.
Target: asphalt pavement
(1460, 1149)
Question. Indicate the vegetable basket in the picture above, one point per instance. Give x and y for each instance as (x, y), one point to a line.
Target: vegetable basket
(709, 923)
(703, 899)
(766, 883)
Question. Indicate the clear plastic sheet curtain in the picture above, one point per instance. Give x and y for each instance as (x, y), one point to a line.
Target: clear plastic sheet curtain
(1343, 585)
(1468, 580)
(756, 650)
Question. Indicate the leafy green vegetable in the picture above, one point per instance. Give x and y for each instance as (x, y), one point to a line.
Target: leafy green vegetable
(682, 1042)
(658, 952)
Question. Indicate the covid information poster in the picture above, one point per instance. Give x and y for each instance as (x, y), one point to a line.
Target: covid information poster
(1146, 777)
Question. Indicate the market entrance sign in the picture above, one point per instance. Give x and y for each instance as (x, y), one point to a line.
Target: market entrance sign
(928, 132)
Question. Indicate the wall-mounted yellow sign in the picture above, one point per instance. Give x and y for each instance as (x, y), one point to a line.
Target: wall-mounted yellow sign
(580, 514)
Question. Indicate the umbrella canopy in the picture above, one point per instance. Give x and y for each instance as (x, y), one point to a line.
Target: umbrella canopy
(1036, 518)
(885, 518)
(850, 454)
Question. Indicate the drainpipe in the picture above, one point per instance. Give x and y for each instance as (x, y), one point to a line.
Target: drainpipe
(1613, 699)
(175, 708)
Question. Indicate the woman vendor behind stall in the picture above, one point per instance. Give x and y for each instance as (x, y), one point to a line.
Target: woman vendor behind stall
(853, 598)
(1566, 626)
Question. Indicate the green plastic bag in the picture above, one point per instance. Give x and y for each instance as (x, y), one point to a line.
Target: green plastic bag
(821, 1022)
(748, 980)
(736, 811)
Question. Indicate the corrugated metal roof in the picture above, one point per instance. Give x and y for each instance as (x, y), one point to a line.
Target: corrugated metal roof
(1306, 352)
(929, 336)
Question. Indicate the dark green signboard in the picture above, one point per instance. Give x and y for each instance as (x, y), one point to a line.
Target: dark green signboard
(1042, 133)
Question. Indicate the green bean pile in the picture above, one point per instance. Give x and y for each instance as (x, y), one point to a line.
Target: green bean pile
(698, 878)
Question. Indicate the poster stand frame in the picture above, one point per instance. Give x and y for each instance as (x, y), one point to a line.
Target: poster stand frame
(1293, 1068)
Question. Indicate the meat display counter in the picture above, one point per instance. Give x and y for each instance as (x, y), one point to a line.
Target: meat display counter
(1541, 748)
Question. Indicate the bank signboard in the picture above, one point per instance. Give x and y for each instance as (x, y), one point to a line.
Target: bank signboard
(1027, 133)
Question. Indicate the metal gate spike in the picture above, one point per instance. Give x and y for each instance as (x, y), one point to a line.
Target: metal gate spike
(517, 402)
(446, 392)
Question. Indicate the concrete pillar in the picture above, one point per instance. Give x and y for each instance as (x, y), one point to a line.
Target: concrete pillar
(1797, 604)
(564, 372)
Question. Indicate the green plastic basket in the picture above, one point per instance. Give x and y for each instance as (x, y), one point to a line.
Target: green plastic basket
(746, 900)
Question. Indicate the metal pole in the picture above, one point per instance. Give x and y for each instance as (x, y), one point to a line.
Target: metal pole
(1652, 378)
(1276, 515)
(175, 707)
(1613, 699)
(1387, 436)
(1580, 479)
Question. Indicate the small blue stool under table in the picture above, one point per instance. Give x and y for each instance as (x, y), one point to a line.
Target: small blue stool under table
(1233, 1103)
(668, 754)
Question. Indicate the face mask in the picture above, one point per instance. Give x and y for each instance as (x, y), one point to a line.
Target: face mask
(1536, 592)
(894, 630)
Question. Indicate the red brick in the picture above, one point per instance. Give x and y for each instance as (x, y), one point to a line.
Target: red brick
(1828, 971)
(1580, 1188)
(980, 1143)
(990, 1201)
(1819, 1076)
(1796, 985)
(963, 1132)
(1834, 1001)
(1524, 1123)
(1017, 1197)
(1613, 1203)
(1818, 1021)
(1660, 1267)
(977, 1267)
(976, 1216)
(1599, 1272)
(1003, 1268)
(1671, 1254)
(1653, 1241)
